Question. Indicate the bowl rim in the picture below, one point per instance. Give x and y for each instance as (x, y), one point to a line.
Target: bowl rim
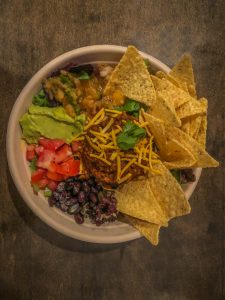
(51, 66)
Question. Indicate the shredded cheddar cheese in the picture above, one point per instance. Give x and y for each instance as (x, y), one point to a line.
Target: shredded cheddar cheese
(92, 144)
(92, 121)
(118, 167)
(117, 112)
(127, 166)
(101, 158)
(103, 140)
(125, 178)
(108, 125)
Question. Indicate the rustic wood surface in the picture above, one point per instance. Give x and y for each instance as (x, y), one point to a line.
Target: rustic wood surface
(36, 262)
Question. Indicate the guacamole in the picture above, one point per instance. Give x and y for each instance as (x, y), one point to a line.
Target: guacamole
(51, 123)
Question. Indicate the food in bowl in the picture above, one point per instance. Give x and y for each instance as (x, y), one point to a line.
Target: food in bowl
(109, 142)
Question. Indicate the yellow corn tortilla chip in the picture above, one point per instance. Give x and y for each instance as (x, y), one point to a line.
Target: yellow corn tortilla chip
(183, 73)
(185, 126)
(149, 230)
(164, 133)
(191, 124)
(170, 91)
(162, 75)
(194, 124)
(168, 193)
(172, 152)
(156, 199)
(136, 199)
(203, 159)
(201, 135)
(191, 108)
(177, 156)
(132, 78)
(156, 127)
(164, 110)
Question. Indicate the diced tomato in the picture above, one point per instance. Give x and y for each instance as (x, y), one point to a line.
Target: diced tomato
(42, 183)
(45, 158)
(38, 175)
(31, 147)
(63, 153)
(39, 149)
(52, 185)
(30, 154)
(75, 146)
(51, 144)
(53, 167)
(54, 176)
(69, 168)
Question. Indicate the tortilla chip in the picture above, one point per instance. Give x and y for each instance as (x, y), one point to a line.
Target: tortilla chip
(170, 91)
(177, 156)
(156, 127)
(185, 126)
(203, 159)
(136, 199)
(164, 110)
(132, 78)
(164, 133)
(194, 123)
(168, 193)
(183, 73)
(172, 152)
(201, 135)
(148, 230)
(191, 108)
(162, 75)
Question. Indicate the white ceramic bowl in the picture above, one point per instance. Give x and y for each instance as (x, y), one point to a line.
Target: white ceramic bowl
(112, 233)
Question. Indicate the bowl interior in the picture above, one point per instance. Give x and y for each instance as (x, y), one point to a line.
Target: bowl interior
(110, 233)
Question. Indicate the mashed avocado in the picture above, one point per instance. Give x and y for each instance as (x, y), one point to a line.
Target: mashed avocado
(51, 123)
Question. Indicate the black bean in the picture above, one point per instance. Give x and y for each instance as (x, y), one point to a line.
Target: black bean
(71, 201)
(70, 180)
(91, 181)
(94, 190)
(74, 209)
(92, 205)
(69, 186)
(79, 218)
(81, 197)
(57, 204)
(62, 197)
(93, 197)
(99, 187)
(61, 187)
(86, 189)
(56, 195)
(76, 188)
(63, 207)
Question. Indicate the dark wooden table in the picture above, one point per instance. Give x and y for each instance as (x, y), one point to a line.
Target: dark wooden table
(36, 262)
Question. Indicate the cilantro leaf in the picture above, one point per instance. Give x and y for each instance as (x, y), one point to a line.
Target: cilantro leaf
(130, 135)
(131, 106)
(40, 99)
(66, 80)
